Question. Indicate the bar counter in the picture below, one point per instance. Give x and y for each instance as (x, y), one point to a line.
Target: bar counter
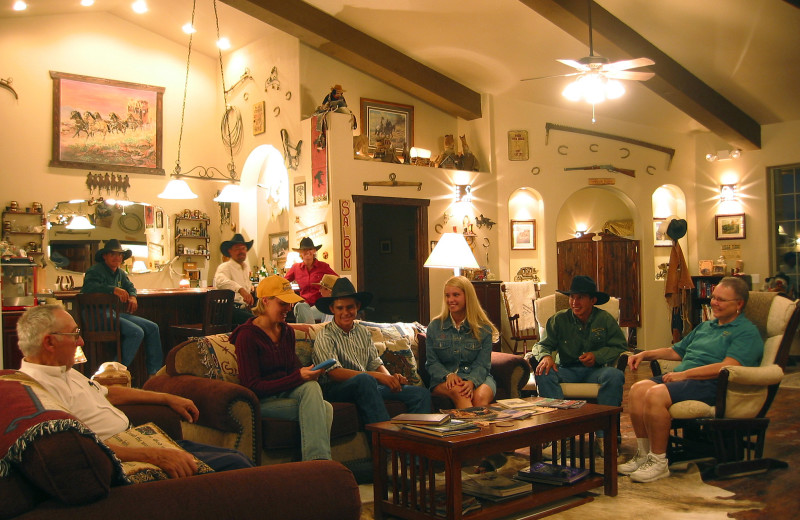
(165, 307)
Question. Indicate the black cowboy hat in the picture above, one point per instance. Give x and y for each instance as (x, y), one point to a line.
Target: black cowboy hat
(677, 229)
(112, 246)
(343, 288)
(306, 243)
(237, 239)
(582, 284)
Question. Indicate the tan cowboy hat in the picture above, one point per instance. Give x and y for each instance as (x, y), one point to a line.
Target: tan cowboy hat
(112, 246)
(338, 87)
(306, 243)
(343, 288)
(327, 281)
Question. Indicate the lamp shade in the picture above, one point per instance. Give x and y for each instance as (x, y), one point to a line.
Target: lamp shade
(177, 189)
(230, 193)
(452, 251)
(79, 222)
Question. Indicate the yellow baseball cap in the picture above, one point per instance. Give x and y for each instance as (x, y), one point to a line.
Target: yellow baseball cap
(278, 287)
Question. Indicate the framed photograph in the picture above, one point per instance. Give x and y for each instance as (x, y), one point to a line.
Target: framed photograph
(729, 227)
(433, 244)
(518, 145)
(523, 234)
(159, 219)
(105, 124)
(278, 246)
(386, 247)
(259, 121)
(387, 120)
(299, 193)
(149, 216)
(660, 239)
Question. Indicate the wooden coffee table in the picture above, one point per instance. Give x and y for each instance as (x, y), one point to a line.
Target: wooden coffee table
(412, 485)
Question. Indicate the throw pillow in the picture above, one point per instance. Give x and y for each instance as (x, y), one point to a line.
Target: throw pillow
(394, 343)
(149, 436)
(49, 447)
(218, 355)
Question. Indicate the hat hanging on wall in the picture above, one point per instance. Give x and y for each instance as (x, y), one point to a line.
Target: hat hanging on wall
(673, 227)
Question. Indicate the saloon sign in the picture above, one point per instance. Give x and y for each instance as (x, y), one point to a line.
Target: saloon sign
(347, 242)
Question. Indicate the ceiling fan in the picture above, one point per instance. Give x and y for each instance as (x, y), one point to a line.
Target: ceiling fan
(596, 74)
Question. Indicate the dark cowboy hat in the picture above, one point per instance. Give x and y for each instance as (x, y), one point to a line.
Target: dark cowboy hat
(582, 284)
(306, 243)
(112, 246)
(237, 239)
(343, 288)
(677, 229)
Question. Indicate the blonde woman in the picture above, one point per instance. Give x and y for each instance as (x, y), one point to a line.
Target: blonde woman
(459, 348)
(269, 366)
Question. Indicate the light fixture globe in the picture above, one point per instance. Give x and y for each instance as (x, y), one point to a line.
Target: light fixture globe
(230, 193)
(177, 189)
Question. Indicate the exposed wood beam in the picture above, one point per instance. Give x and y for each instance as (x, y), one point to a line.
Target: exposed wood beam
(672, 82)
(338, 40)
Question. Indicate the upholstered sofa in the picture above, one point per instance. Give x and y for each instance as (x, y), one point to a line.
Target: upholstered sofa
(51, 466)
(204, 370)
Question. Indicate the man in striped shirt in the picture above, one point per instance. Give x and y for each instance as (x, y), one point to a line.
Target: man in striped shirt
(359, 376)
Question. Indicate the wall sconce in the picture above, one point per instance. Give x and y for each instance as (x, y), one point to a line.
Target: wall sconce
(462, 193)
(727, 192)
(723, 155)
(420, 156)
(580, 230)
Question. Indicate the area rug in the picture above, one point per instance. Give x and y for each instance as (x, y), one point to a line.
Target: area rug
(682, 496)
(791, 381)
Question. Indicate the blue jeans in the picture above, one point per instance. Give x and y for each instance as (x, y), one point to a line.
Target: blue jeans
(610, 380)
(368, 396)
(132, 330)
(304, 404)
(305, 313)
(220, 459)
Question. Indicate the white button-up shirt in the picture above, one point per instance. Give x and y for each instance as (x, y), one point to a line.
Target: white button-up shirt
(231, 275)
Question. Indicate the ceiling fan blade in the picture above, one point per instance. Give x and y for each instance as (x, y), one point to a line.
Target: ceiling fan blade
(628, 64)
(626, 74)
(575, 65)
(553, 76)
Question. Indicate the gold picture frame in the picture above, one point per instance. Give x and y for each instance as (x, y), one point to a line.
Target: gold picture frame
(523, 234)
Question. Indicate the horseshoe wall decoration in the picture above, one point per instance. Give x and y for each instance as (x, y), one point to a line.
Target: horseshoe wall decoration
(565, 148)
(627, 152)
(535, 170)
(593, 147)
(649, 167)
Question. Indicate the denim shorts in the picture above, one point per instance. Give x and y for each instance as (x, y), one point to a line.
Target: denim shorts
(704, 390)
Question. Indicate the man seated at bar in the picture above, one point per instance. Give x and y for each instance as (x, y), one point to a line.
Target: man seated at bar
(307, 276)
(49, 337)
(106, 277)
(234, 274)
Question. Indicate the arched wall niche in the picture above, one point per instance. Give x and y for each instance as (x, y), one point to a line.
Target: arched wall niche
(589, 208)
(526, 203)
(668, 201)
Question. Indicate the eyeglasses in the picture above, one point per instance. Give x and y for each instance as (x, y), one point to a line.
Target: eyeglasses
(73, 334)
(724, 300)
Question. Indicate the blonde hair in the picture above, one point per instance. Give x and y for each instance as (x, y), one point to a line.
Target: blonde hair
(476, 316)
(261, 307)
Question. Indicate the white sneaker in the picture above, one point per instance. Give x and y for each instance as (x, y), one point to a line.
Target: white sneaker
(652, 469)
(633, 464)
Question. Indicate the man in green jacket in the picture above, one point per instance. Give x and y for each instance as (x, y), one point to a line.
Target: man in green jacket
(106, 277)
(586, 340)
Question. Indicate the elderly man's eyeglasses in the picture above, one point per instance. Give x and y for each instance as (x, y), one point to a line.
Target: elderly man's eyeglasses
(74, 334)
(724, 300)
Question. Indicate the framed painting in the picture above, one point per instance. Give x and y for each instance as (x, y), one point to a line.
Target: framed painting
(159, 219)
(518, 145)
(106, 124)
(278, 246)
(729, 227)
(259, 121)
(523, 234)
(384, 120)
(299, 194)
(660, 239)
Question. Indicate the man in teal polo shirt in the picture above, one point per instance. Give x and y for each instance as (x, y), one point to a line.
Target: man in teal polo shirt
(106, 277)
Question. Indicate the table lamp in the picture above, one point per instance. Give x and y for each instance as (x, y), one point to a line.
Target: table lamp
(452, 251)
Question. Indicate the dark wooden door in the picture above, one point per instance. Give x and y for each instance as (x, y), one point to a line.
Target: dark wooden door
(614, 264)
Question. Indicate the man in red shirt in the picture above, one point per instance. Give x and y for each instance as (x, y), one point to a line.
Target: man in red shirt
(307, 275)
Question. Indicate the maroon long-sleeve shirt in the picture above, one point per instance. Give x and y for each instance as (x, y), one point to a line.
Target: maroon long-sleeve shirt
(265, 367)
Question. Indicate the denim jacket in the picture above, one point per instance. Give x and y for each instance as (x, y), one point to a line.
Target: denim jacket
(452, 350)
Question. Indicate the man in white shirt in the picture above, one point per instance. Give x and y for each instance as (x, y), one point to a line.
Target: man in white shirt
(49, 337)
(235, 275)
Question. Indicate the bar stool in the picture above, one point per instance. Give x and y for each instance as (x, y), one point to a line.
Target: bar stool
(217, 317)
(99, 317)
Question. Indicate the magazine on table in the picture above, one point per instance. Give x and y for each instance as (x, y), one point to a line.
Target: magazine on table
(421, 418)
(491, 485)
(505, 414)
(516, 403)
(468, 504)
(474, 413)
(453, 427)
(554, 474)
(558, 403)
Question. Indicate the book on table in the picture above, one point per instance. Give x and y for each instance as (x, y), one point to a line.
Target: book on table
(474, 413)
(554, 474)
(493, 486)
(468, 504)
(453, 427)
(516, 403)
(421, 418)
(558, 403)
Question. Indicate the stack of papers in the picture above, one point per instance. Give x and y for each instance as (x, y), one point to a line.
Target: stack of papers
(453, 427)
(516, 404)
(493, 486)
(475, 413)
(553, 474)
(421, 418)
(558, 403)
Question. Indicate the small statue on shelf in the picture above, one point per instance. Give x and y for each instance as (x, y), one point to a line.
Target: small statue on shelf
(467, 160)
(333, 102)
(448, 158)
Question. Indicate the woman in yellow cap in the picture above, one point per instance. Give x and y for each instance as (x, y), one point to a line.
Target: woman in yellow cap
(269, 366)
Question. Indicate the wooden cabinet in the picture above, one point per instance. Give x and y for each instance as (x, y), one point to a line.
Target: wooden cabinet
(191, 236)
(12, 357)
(488, 293)
(613, 262)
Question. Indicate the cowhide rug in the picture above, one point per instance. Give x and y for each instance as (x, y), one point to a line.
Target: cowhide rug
(682, 496)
